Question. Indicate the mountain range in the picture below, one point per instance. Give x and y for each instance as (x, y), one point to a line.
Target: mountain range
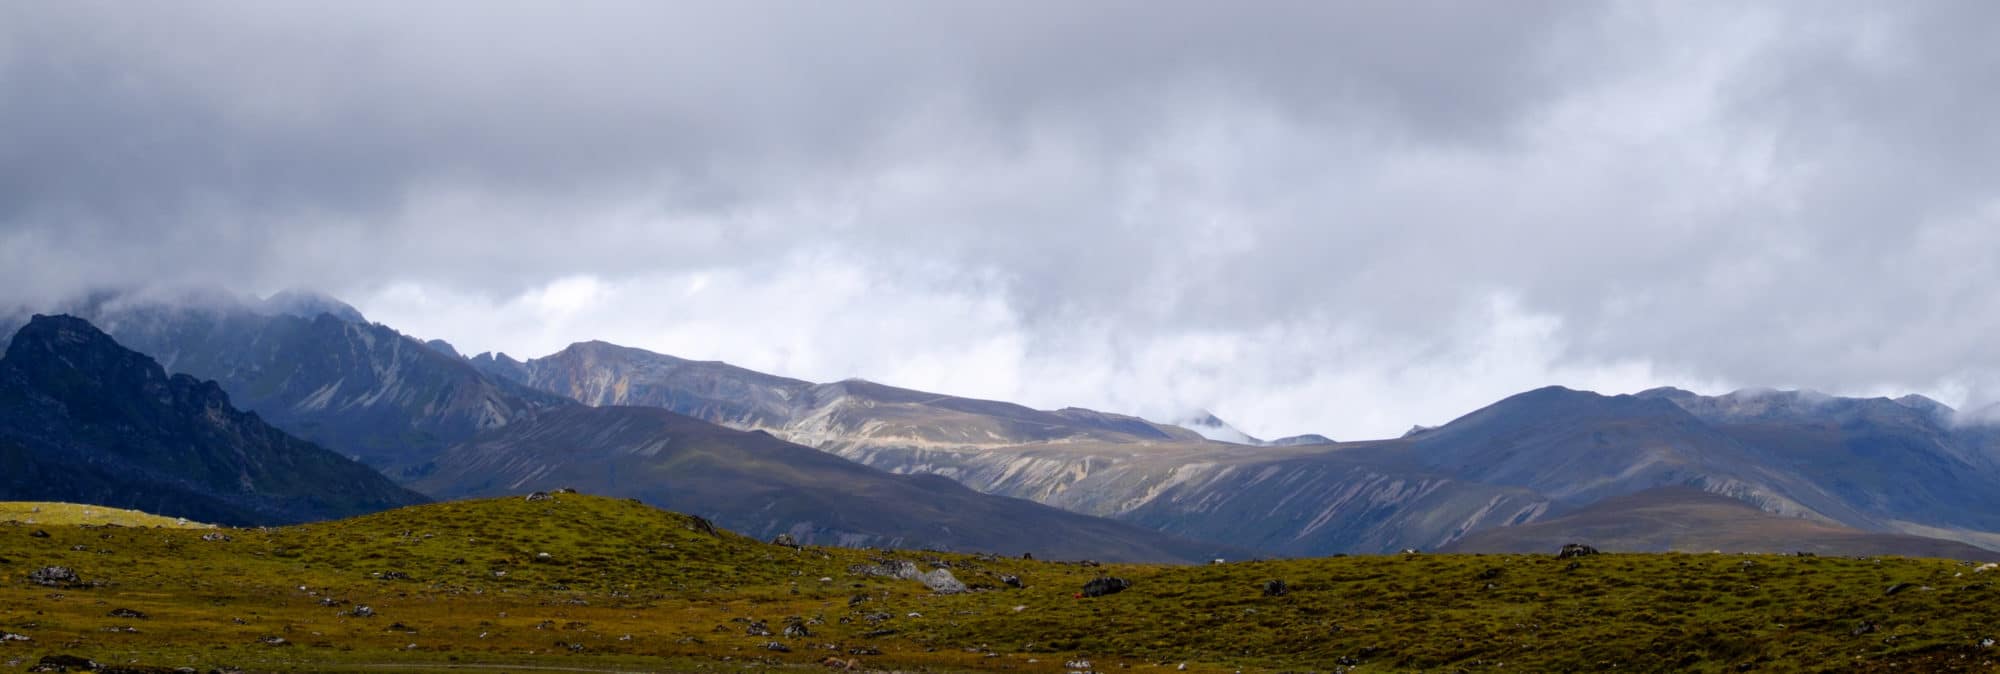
(899, 467)
(84, 419)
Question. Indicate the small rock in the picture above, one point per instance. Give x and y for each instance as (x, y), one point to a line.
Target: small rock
(38, 533)
(796, 628)
(1011, 580)
(1899, 587)
(1574, 550)
(362, 612)
(126, 613)
(1572, 566)
(776, 646)
(1803, 553)
(540, 496)
(10, 636)
(1104, 586)
(785, 540)
(56, 576)
(1276, 588)
(1028, 556)
(1864, 627)
(757, 628)
(1077, 664)
(1492, 573)
(274, 641)
(566, 490)
(216, 537)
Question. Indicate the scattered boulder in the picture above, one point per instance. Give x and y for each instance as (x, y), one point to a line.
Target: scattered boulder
(841, 663)
(702, 525)
(56, 576)
(38, 533)
(566, 490)
(64, 663)
(1899, 587)
(1011, 580)
(126, 613)
(1411, 551)
(785, 540)
(216, 537)
(1492, 573)
(796, 628)
(1575, 550)
(540, 496)
(10, 636)
(938, 580)
(1107, 585)
(1029, 556)
(777, 647)
(1276, 588)
(274, 641)
(1864, 627)
(362, 612)
(1803, 553)
(757, 628)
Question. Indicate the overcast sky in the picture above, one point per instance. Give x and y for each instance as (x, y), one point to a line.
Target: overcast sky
(1333, 217)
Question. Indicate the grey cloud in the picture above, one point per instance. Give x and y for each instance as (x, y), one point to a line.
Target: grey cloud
(1783, 194)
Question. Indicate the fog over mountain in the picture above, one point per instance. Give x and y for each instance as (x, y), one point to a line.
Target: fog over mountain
(1305, 217)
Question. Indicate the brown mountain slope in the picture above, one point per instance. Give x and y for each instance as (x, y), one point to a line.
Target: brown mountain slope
(1681, 519)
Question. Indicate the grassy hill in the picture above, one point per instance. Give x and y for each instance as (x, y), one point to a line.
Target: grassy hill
(64, 514)
(595, 584)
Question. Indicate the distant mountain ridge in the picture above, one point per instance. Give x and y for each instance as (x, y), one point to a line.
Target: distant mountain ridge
(1525, 458)
(1903, 466)
(84, 419)
(309, 364)
(760, 485)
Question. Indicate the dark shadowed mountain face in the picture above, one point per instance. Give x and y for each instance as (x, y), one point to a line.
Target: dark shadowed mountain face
(358, 388)
(1873, 464)
(757, 484)
(83, 419)
(1682, 519)
(1901, 464)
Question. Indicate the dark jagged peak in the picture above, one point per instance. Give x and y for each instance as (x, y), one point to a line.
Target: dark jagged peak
(308, 304)
(500, 366)
(443, 347)
(87, 420)
(68, 357)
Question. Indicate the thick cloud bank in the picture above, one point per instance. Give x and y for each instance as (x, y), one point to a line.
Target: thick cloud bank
(1342, 218)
